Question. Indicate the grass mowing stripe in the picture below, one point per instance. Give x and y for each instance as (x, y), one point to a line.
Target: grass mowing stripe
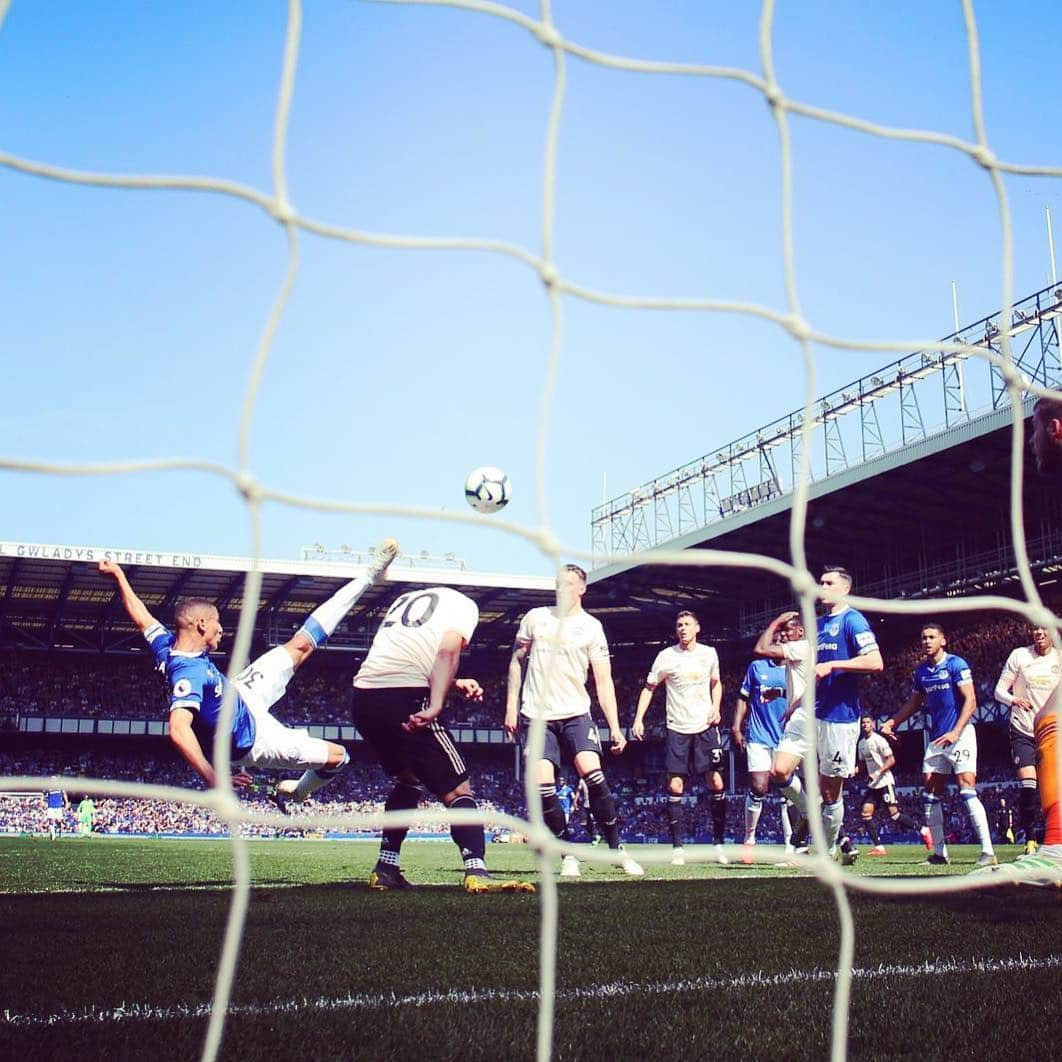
(143, 1012)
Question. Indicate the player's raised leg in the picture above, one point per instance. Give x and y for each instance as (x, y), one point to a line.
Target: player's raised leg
(315, 631)
(322, 622)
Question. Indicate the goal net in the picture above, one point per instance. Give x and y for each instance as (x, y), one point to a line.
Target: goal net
(539, 264)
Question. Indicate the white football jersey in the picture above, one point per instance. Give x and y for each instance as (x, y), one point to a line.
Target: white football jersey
(404, 649)
(687, 675)
(797, 661)
(1032, 677)
(558, 662)
(874, 750)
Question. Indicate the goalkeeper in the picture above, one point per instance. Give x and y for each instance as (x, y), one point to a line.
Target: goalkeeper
(1045, 866)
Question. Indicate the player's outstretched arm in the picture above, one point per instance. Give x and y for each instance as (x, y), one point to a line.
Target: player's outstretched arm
(440, 680)
(716, 715)
(134, 607)
(765, 644)
(645, 698)
(182, 735)
(914, 702)
(737, 728)
(517, 663)
(606, 697)
(887, 764)
(469, 688)
(1005, 686)
(866, 664)
(969, 706)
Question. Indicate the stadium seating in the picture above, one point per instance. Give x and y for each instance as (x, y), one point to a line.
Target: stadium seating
(83, 685)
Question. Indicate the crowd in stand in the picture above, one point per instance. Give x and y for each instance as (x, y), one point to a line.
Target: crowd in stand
(362, 790)
(127, 687)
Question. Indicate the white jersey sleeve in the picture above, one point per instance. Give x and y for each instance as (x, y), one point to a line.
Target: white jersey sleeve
(1031, 677)
(797, 661)
(524, 635)
(657, 671)
(407, 643)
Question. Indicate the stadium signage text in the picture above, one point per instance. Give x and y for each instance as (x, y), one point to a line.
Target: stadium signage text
(92, 554)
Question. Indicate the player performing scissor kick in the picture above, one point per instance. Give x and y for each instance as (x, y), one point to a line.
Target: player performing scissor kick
(197, 687)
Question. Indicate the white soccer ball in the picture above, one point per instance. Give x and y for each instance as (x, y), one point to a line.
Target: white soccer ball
(487, 489)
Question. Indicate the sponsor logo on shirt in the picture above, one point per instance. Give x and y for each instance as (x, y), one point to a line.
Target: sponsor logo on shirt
(936, 687)
(182, 688)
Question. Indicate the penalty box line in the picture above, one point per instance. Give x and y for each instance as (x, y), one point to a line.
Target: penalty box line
(612, 990)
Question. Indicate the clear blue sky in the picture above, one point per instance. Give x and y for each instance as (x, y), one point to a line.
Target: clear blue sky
(130, 319)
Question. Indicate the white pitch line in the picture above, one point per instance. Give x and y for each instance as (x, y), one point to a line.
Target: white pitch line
(611, 990)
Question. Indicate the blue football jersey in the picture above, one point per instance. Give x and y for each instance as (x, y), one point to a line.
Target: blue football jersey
(566, 797)
(842, 637)
(765, 716)
(939, 686)
(196, 684)
(55, 798)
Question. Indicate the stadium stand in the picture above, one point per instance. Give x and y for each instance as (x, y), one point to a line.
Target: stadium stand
(51, 692)
(121, 686)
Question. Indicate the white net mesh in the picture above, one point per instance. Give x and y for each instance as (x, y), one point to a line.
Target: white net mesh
(276, 203)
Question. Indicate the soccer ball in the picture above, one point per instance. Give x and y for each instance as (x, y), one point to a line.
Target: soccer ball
(487, 489)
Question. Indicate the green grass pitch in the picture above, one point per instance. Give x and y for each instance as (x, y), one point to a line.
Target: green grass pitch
(111, 946)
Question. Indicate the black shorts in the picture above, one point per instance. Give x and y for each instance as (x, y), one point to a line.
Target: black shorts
(430, 753)
(573, 735)
(694, 753)
(1022, 749)
(884, 796)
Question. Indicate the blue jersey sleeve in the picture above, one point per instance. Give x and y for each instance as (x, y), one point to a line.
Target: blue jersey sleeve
(160, 640)
(747, 685)
(187, 678)
(961, 674)
(860, 635)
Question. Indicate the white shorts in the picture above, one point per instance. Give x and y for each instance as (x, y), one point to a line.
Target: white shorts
(261, 684)
(55, 813)
(759, 757)
(263, 681)
(837, 748)
(960, 758)
(794, 737)
(835, 743)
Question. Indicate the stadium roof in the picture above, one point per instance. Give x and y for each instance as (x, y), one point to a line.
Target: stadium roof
(53, 596)
(931, 520)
